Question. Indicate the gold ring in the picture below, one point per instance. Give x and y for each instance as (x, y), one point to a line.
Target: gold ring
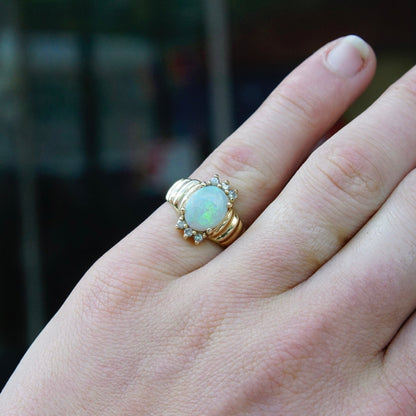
(206, 210)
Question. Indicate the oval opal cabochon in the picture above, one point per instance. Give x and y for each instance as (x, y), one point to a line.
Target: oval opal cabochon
(206, 208)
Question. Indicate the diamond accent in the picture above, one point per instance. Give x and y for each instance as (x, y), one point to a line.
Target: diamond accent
(188, 232)
(181, 224)
(232, 195)
(225, 186)
(198, 238)
(215, 181)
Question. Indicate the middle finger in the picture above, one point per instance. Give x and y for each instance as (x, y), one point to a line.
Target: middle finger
(331, 197)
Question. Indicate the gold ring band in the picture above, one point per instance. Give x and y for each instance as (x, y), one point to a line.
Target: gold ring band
(210, 213)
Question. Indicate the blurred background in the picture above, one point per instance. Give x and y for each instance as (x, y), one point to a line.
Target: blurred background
(104, 103)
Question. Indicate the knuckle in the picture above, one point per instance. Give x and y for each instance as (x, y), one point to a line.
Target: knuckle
(197, 320)
(233, 159)
(407, 191)
(302, 107)
(347, 171)
(405, 88)
(300, 348)
(402, 395)
(103, 296)
(406, 208)
(240, 161)
(109, 291)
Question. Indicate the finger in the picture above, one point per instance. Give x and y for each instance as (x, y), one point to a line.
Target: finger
(370, 304)
(371, 282)
(334, 193)
(260, 156)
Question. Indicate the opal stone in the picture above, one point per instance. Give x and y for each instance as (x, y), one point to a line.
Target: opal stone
(206, 208)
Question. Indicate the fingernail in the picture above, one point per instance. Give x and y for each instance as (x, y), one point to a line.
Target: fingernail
(348, 56)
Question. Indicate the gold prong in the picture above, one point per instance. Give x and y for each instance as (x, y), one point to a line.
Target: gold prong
(229, 204)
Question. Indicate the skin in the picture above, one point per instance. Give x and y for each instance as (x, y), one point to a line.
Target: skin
(311, 311)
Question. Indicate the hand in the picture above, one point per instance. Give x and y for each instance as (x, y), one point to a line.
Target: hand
(309, 312)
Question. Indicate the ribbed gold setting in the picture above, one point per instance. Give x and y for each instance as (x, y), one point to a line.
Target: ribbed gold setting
(180, 192)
